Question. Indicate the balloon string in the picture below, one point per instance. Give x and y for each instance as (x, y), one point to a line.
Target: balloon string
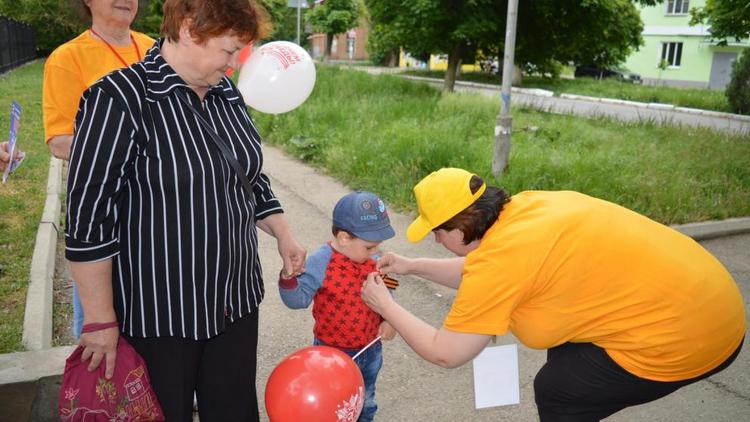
(366, 347)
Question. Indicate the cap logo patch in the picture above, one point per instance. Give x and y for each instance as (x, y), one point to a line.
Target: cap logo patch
(381, 205)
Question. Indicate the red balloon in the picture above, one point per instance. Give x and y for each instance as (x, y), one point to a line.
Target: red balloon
(244, 55)
(315, 384)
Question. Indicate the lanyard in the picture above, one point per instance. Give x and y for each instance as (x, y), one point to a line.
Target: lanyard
(124, 63)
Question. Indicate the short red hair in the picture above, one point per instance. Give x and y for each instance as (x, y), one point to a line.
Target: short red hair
(245, 19)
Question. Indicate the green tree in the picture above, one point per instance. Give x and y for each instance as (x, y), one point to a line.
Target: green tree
(11, 8)
(730, 19)
(54, 21)
(738, 90)
(600, 32)
(149, 18)
(453, 27)
(727, 18)
(58, 21)
(333, 17)
(284, 20)
(382, 46)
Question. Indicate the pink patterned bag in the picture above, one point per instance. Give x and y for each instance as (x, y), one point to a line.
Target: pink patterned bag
(90, 397)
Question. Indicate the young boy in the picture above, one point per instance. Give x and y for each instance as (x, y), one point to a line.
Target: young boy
(333, 279)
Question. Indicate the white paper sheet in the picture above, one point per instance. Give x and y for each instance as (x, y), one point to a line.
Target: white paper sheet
(496, 380)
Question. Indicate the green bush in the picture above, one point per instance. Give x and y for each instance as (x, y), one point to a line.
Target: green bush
(738, 90)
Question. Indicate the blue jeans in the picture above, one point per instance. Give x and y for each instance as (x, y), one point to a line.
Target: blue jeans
(369, 363)
(77, 312)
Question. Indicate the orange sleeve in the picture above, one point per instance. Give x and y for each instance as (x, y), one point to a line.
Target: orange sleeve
(62, 91)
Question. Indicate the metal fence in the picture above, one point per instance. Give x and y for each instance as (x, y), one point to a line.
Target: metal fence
(17, 44)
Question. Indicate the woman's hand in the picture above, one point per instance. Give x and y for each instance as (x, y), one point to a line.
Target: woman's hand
(100, 345)
(375, 294)
(390, 263)
(292, 256)
(386, 331)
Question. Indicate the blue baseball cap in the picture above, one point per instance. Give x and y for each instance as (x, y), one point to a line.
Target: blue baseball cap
(363, 214)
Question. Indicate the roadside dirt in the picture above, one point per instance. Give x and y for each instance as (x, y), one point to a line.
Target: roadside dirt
(62, 305)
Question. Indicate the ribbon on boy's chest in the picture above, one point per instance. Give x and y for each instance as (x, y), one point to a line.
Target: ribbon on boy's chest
(390, 282)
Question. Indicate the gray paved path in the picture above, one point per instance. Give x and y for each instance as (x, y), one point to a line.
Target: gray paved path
(411, 389)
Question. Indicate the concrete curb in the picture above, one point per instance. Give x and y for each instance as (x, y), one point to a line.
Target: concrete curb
(621, 102)
(30, 384)
(30, 366)
(656, 106)
(660, 106)
(713, 229)
(545, 93)
(527, 91)
(37, 321)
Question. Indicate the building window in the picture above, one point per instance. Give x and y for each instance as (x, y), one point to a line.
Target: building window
(671, 52)
(677, 7)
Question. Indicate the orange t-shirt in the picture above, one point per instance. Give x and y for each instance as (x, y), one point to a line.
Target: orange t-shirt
(73, 67)
(563, 267)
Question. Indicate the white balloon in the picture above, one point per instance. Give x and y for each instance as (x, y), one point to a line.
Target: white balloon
(278, 77)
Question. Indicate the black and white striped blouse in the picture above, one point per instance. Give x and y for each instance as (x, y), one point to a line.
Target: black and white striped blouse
(152, 192)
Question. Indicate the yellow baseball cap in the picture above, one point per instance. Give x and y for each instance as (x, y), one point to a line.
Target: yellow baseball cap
(440, 196)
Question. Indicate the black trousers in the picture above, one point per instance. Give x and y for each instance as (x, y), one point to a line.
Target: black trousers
(220, 370)
(581, 383)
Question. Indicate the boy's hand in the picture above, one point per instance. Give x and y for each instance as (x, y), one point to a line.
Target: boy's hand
(386, 331)
(287, 282)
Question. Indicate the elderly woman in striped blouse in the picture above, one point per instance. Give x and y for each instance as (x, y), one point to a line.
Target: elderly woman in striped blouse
(165, 192)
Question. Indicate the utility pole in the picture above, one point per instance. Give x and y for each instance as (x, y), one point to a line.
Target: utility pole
(299, 5)
(504, 122)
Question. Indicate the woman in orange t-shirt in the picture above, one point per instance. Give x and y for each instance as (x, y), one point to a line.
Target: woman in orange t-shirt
(74, 66)
(629, 310)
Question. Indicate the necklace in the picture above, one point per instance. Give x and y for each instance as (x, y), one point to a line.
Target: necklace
(124, 63)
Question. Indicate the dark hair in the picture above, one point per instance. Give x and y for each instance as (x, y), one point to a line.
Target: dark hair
(84, 9)
(478, 217)
(245, 19)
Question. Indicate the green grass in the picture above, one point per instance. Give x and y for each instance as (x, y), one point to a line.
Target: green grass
(384, 133)
(21, 198)
(705, 99)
